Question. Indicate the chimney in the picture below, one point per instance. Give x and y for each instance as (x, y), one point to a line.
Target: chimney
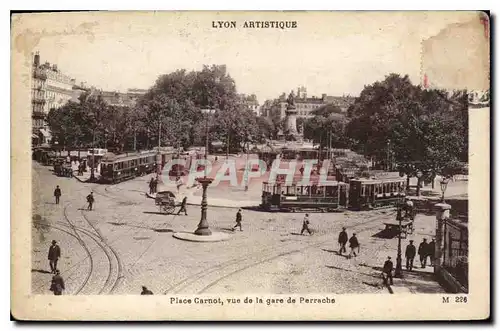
(54, 67)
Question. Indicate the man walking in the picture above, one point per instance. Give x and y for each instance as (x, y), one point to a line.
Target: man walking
(410, 255)
(422, 252)
(183, 206)
(343, 241)
(238, 220)
(431, 251)
(90, 200)
(57, 194)
(54, 255)
(387, 271)
(353, 244)
(151, 185)
(57, 285)
(305, 225)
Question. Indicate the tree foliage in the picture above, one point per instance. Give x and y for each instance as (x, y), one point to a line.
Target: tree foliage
(421, 130)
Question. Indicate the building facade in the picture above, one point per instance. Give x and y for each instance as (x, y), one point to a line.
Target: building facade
(121, 99)
(50, 89)
(251, 102)
(306, 105)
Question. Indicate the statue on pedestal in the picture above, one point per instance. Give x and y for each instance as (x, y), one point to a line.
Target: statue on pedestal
(291, 100)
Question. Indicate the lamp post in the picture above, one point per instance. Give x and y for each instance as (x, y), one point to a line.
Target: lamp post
(419, 175)
(92, 176)
(398, 273)
(203, 228)
(444, 185)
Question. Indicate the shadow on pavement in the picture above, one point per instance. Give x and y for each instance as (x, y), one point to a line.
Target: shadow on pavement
(385, 234)
(357, 272)
(156, 213)
(41, 271)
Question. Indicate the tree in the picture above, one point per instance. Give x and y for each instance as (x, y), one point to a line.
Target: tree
(421, 130)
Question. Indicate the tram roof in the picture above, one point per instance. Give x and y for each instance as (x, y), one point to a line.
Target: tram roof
(378, 180)
(328, 183)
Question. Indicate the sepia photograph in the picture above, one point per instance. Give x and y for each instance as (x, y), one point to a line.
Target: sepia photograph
(250, 165)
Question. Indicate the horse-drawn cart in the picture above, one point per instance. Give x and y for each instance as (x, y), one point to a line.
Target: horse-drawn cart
(165, 200)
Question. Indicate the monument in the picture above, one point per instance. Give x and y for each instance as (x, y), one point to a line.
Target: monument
(291, 133)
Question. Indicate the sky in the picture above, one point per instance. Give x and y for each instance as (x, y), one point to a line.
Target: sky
(336, 53)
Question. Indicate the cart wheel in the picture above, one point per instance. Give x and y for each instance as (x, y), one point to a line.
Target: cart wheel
(169, 209)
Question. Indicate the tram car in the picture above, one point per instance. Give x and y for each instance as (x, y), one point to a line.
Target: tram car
(367, 193)
(118, 168)
(294, 197)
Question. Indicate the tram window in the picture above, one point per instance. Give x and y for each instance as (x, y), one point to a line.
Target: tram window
(321, 191)
(362, 190)
(330, 191)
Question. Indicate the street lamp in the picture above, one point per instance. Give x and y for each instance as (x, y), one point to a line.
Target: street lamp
(419, 175)
(398, 273)
(444, 185)
(203, 228)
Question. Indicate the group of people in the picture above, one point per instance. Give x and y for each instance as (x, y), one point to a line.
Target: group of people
(353, 243)
(90, 197)
(57, 283)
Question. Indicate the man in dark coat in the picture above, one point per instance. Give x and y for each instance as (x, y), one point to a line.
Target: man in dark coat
(353, 244)
(183, 206)
(145, 291)
(57, 194)
(422, 252)
(305, 225)
(57, 284)
(238, 220)
(431, 246)
(410, 255)
(151, 186)
(90, 200)
(342, 241)
(54, 255)
(387, 271)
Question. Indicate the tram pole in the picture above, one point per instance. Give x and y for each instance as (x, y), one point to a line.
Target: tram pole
(399, 267)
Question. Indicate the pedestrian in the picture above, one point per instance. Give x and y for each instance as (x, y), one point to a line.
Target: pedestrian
(238, 220)
(151, 186)
(57, 194)
(387, 271)
(410, 255)
(422, 252)
(145, 291)
(305, 225)
(431, 246)
(183, 206)
(343, 237)
(54, 255)
(353, 244)
(57, 284)
(178, 182)
(155, 185)
(90, 200)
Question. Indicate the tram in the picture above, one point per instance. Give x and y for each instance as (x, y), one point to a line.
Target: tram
(293, 197)
(117, 168)
(359, 194)
(375, 193)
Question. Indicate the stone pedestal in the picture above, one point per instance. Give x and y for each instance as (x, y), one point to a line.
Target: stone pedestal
(442, 213)
(203, 229)
(291, 132)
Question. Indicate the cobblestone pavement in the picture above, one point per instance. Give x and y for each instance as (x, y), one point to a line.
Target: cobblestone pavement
(131, 245)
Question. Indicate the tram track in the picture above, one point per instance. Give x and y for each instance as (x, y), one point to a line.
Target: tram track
(119, 264)
(229, 268)
(97, 261)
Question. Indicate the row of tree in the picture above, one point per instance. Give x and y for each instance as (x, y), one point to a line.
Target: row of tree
(174, 109)
(395, 123)
(401, 126)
